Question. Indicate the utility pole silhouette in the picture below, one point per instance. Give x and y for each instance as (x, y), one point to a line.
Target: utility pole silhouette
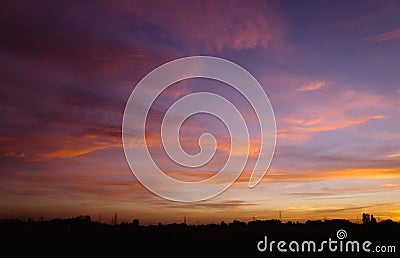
(115, 219)
(184, 219)
(280, 215)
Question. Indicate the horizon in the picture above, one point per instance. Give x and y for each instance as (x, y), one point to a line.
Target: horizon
(331, 71)
(111, 221)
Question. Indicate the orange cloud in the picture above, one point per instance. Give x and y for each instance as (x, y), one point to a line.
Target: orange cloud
(74, 152)
(292, 135)
(321, 124)
(395, 155)
(191, 176)
(274, 175)
(58, 146)
(340, 124)
(346, 173)
(390, 185)
(252, 152)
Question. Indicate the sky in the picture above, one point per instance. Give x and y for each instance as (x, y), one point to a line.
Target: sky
(331, 70)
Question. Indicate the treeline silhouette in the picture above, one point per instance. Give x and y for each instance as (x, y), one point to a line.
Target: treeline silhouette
(85, 220)
(81, 236)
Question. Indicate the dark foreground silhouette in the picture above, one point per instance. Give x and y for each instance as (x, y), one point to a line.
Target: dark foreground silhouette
(81, 237)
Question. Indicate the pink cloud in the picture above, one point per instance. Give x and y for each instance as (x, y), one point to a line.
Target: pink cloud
(326, 125)
(300, 115)
(394, 34)
(214, 24)
(313, 86)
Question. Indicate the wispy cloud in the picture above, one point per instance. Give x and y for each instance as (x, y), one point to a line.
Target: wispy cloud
(394, 155)
(394, 34)
(323, 124)
(390, 185)
(241, 26)
(40, 148)
(306, 194)
(221, 205)
(340, 124)
(313, 86)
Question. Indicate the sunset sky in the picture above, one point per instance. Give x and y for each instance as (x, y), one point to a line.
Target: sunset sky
(331, 70)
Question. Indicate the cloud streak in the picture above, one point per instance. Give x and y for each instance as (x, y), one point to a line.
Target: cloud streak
(390, 35)
(316, 85)
(242, 26)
